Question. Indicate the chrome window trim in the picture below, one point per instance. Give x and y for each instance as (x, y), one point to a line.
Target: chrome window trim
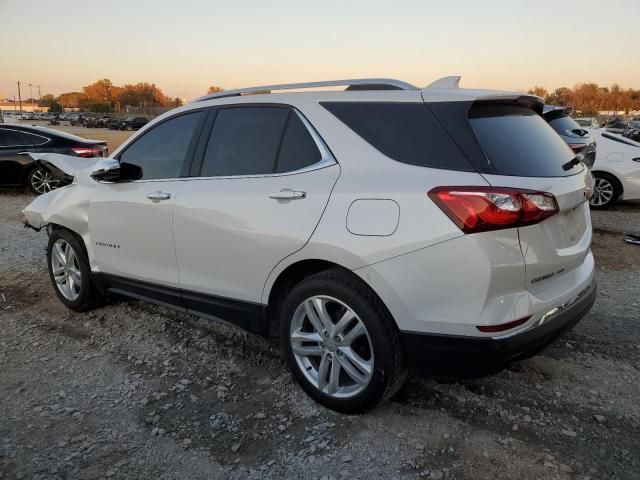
(25, 133)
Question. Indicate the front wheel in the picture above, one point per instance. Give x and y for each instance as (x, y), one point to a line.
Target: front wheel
(341, 343)
(70, 273)
(606, 190)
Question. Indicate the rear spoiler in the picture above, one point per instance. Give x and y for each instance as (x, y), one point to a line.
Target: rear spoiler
(448, 89)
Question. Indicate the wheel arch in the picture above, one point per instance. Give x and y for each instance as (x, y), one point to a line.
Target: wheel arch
(609, 173)
(26, 171)
(617, 184)
(290, 276)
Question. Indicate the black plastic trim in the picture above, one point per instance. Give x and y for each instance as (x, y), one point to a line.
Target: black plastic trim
(467, 356)
(246, 315)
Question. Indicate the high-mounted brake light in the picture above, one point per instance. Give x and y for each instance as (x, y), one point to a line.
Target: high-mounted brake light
(480, 209)
(88, 152)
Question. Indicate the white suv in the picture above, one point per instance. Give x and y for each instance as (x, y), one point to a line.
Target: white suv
(371, 229)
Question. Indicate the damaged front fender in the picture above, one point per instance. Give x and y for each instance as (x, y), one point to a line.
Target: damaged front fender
(66, 168)
(66, 206)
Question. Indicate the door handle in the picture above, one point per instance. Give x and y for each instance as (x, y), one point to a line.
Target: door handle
(288, 194)
(156, 196)
(23, 153)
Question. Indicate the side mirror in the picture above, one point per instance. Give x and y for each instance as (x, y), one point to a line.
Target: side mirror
(106, 170)
(111, 170)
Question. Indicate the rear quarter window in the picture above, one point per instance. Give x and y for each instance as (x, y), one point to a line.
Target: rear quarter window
(406, 132)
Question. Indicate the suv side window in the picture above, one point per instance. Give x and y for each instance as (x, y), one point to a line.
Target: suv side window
(161, 151)
(244, 141)
(406, 132)
(298, 149)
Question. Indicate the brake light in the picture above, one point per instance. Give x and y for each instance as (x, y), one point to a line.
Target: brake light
(480, 209)
(88, 152)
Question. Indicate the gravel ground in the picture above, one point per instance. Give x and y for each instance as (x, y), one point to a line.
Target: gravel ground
(136, 391)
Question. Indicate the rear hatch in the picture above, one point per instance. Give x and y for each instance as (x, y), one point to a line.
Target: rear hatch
(512, 146)
(525, 152)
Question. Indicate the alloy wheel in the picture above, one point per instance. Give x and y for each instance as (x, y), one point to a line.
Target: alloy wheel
(602, 193)
(332, 347)
(42, 181)
(66, 270)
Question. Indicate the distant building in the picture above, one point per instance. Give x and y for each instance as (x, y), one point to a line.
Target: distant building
(7, 105)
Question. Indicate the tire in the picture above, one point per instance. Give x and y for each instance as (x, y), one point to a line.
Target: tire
(364, 352)
(69, 272)
(41, 181)
(606, 190)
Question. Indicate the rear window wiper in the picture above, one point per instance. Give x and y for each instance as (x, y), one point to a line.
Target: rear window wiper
(573, 162)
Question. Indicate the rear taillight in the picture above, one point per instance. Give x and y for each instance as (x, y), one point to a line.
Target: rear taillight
(576, 147)
(88, 152)
(480, 209)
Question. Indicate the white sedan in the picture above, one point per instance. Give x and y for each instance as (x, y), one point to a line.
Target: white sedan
(616, 169)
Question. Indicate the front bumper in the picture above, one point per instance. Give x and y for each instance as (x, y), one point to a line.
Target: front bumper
(466, 356)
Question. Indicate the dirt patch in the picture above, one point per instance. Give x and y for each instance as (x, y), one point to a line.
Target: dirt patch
(613, 253)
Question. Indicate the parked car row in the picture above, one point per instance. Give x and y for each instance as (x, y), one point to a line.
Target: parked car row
(632, 133)
(109, 121)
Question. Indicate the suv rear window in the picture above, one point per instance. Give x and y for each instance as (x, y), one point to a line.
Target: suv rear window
(518, 142)
(406, 132)
(565, 125)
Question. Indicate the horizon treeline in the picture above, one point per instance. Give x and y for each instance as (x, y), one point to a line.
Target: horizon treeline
(590, 98)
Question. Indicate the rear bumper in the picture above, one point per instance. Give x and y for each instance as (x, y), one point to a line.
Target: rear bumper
(478, 356)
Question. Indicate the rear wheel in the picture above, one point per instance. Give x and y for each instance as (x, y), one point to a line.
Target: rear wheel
(70, 273)
(341, 343)
(41, 181)
(606, 190)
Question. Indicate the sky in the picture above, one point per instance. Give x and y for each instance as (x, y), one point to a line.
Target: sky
(185, 46)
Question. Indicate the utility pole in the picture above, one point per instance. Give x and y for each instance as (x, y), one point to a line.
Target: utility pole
(20, 100)
(39, 96)
(31, 91)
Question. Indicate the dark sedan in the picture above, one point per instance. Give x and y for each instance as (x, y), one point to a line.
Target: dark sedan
(17, 141)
